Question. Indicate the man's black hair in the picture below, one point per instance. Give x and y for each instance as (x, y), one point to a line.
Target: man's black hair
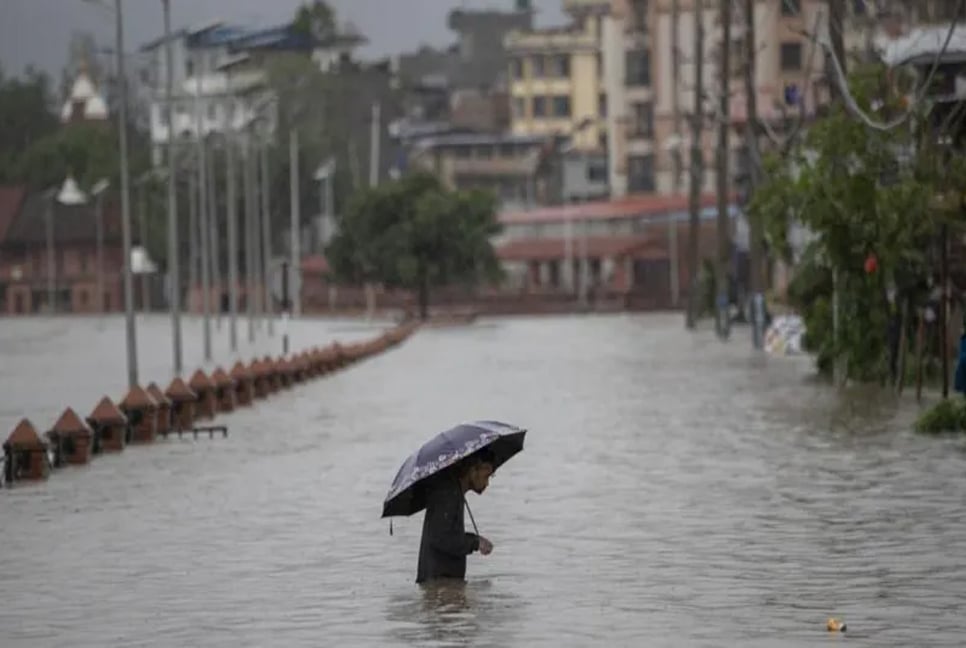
(483, 456)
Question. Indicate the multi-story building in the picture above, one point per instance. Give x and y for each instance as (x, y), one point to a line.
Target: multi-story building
(516, 168)
(209, 80)
(464, 84)
(649, 53)
(557, 78)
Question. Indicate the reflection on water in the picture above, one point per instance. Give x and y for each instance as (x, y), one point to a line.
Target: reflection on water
(674, 491)
(455, 613)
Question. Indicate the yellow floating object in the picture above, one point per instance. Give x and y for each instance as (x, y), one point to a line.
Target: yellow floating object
(834, 625)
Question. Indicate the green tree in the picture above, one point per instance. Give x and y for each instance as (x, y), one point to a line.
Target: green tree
(331, 112)
(26, 115)
(88, 151)
(416, 235)
(316, 19)
(862, 192)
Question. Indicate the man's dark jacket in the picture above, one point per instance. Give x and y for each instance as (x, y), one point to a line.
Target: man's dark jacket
(445, 543)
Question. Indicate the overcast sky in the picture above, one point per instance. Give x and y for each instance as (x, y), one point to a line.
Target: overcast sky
(37, 32)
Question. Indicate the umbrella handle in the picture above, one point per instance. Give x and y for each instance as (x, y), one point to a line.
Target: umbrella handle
(467, 505)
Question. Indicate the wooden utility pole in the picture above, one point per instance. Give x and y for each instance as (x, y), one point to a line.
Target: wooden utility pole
(723, 171)
(756, 279)
(697, 165)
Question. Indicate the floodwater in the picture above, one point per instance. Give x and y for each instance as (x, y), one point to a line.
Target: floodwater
(674, 491)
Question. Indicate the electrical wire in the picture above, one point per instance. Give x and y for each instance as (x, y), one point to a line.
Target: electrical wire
(852, 105)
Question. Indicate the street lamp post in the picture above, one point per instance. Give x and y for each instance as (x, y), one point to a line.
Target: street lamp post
(266, 241)
(174, 275)
(203, 216)
(232, 216)
(132, 363)
(98, 192)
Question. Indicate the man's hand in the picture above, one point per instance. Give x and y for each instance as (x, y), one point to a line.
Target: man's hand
(485, 546)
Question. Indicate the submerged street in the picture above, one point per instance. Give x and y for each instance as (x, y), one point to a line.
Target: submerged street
(673, 491)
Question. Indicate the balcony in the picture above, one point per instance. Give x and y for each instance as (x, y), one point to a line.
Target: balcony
(541, 41)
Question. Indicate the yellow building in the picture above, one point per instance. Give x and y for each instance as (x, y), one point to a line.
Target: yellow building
(557, 78)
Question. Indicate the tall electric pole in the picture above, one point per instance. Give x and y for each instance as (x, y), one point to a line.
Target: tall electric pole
(266, 241)
(130, 327)
(202, 199)
(673, 256)
(697, 165)
(722, 176)
(174, 274)
(756, 260)
(231, 200)
(296, 219)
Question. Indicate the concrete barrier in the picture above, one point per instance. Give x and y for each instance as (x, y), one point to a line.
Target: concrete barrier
(145, 413)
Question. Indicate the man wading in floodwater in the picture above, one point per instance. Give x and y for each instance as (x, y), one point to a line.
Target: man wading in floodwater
(445, 543)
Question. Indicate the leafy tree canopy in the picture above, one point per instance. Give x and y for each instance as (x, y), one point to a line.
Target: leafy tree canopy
(415, 234)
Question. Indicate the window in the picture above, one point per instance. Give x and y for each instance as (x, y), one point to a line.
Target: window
(560, 66)
(602, 105)
(189, 68)
(791, 7)
(599, 60)
(516, 68)
(640, 173)
(212, 111)
(791, 57)
(642, 116)
(561, 106)
(597, 171)
(859, 8)
(639, 7)
(539, 107)
(538, 65)
(638, 66)
(519, 108)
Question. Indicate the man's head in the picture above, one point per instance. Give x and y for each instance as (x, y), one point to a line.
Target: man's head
(479, 468)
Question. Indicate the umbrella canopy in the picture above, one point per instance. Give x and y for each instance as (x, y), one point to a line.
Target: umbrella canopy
(446, 449)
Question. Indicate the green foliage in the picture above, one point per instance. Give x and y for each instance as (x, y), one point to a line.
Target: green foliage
(847, 186)
(25, 116)
(415, 234)
(946, 416)
(331, 112)
(88, 151)
(316, 19)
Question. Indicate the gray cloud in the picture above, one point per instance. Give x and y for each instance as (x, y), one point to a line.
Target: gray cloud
(37, 32)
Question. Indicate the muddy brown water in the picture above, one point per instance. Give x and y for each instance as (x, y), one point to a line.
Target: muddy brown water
(674, 491)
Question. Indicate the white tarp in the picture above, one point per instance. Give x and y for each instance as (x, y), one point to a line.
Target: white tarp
(923, 43)
(784, 336)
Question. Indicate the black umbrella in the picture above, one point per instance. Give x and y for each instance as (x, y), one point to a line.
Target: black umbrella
(500, 440)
